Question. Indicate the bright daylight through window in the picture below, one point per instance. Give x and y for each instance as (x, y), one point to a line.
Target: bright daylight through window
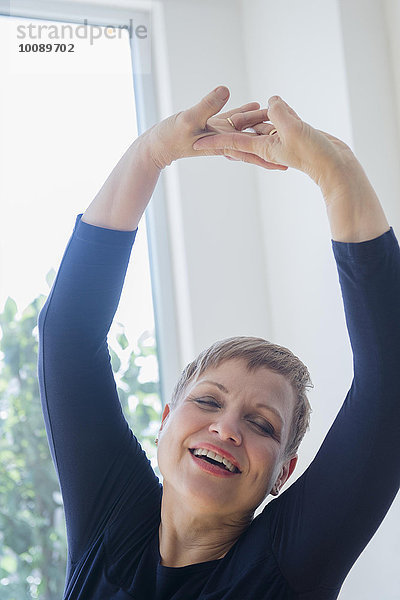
(66, 119)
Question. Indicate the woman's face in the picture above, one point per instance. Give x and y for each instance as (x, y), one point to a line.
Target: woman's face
(247, 417)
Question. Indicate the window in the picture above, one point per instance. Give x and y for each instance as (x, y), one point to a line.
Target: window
(66, 119)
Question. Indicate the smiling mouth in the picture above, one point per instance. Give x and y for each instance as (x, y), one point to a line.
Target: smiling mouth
(214, 462)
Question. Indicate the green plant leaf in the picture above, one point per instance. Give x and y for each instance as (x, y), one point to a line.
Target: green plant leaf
(10, 310)
(122, 341)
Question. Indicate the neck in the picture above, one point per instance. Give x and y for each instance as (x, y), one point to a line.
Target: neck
(188, 537)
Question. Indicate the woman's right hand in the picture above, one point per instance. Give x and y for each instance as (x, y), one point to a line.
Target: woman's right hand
(296, 144)
(173, 138)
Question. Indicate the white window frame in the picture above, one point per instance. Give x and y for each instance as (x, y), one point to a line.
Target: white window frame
(123, 13)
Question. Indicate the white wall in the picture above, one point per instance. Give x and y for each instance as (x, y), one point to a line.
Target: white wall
(370, 30)
(257, 246)
(391, 15)
(216, 200)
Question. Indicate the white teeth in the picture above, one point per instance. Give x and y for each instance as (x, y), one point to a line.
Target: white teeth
(214, 456)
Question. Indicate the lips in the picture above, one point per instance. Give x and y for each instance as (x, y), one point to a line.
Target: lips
(223, 453)
(212, 469)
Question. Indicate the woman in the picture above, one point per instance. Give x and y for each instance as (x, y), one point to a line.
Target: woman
(230, 434)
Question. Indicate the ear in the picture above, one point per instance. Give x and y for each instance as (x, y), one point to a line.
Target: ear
(164, 415)
(285, 473)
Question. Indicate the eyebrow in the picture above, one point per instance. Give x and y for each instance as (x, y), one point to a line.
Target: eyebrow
(259, 404)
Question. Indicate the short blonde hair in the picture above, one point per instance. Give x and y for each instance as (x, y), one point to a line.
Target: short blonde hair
(257, 352)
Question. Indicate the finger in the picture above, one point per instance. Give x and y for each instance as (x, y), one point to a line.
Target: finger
(254, 159)
(240, 109)
(228, 141)
(264, 128)
(282, 115)
(243, 142)
(208, 106)
(249, 118)
(276, 103)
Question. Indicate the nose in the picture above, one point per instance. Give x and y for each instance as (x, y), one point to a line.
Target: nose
(227, 428)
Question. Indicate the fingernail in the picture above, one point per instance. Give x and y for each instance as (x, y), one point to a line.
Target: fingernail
(221, 92)
(272, 100)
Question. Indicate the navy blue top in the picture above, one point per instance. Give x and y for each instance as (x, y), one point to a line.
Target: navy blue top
(304, 542)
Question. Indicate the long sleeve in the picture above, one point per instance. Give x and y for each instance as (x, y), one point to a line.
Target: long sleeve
(322, 523)
(94, 451)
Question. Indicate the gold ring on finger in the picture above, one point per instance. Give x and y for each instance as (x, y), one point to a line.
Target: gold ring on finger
(231, 122)
(273, 131)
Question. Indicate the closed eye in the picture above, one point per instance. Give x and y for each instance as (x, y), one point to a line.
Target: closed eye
(211, 403)
(265, 428)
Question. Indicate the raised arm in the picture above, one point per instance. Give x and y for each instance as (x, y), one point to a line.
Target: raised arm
(321, 524)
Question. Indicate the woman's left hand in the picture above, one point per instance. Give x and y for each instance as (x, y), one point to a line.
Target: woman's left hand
(174, 137)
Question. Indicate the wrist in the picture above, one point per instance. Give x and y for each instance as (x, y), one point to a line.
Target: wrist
(161, 141)
(148, 149)
(353, 208)
(342, 172)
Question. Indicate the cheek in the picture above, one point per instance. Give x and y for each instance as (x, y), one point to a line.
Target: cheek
(191, 419)
(172, 440)
(264, 457)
